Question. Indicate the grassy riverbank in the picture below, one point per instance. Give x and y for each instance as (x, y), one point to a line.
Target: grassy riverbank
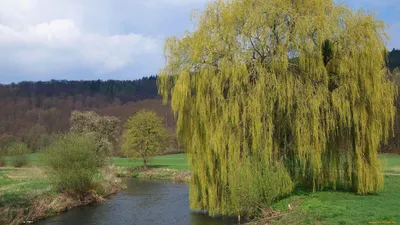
(19, 188)
(27, 191)
(168, 167)
(26, 195)
(328, 207)
(341, 207)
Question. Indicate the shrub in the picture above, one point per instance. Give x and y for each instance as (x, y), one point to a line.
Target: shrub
(6, 141)
(73, 162)
(18, 152)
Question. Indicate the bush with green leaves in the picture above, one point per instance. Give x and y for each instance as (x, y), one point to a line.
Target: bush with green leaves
(18, 153)
(5, 141)
(73, 161)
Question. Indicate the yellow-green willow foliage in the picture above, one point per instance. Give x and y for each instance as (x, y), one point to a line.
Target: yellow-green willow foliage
(284, 87)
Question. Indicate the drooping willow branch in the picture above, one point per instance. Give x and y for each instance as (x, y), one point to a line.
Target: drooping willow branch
(274, 93)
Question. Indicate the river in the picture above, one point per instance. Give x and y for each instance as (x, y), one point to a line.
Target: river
(142, 202)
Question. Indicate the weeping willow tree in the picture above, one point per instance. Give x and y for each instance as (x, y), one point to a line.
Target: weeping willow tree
(277, 93)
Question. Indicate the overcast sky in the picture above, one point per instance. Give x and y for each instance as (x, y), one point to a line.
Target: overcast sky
(107, 39)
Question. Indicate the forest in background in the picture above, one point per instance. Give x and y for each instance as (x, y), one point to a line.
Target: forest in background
(394, 59)
(33, 111)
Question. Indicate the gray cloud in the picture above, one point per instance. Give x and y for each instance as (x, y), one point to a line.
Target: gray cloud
(94, 39)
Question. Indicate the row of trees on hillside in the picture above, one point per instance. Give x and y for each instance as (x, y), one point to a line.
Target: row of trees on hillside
(36, 127)
(110, 90)
(44, 108)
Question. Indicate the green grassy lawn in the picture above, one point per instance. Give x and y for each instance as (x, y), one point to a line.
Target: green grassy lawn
(390, 163)
(329, 207)
(33, 160)
(343, 208)
(176, 161)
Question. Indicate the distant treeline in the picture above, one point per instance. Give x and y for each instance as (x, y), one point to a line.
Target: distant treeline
(111, 90)
(30, 111)
(394, 59)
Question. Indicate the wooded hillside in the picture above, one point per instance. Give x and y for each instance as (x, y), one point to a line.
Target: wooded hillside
(30, 110)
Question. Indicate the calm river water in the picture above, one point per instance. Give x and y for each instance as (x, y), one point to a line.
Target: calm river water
(144, 202)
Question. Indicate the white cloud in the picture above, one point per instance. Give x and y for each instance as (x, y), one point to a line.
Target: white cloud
(60, 45)
(43, 39)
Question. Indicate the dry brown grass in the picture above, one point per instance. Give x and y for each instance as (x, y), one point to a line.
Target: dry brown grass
(395, 169)
(110, 183)
(28, 172)
(267, 216)
(180, 176)
(50, 205)
(270, 216)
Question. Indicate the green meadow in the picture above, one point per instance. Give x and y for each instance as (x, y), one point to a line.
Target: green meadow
(18, 186)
